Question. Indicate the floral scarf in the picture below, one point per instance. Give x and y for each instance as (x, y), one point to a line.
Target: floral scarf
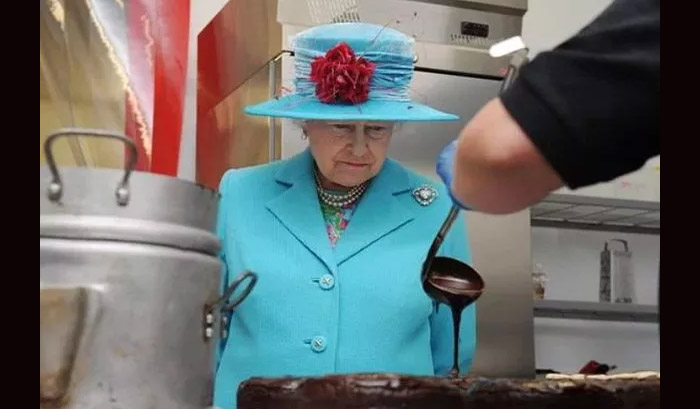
(337, 220)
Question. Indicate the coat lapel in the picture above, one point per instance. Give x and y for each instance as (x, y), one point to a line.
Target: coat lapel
(298, 208)
(378, 213)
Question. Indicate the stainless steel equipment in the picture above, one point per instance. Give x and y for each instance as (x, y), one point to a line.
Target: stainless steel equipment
(128, 287)
(616, 276)
(454, 73)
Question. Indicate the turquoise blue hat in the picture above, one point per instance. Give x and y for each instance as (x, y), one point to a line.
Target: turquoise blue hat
(383, 92)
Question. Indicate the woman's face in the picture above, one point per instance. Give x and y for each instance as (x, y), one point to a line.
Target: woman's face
(348, 153)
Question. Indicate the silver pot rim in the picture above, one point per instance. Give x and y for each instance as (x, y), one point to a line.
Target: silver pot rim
(161, 210)
(123, 204)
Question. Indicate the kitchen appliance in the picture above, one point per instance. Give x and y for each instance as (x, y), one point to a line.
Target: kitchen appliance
(616, 273)
(128, 286)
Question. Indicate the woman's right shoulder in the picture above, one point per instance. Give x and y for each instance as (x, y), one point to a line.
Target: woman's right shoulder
(236, 178)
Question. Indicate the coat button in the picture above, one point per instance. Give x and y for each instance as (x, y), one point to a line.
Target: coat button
(318, 344)
(326, 282)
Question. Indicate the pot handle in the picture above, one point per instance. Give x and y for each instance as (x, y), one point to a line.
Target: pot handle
(56, 187)
(608, 243)
(226, 306)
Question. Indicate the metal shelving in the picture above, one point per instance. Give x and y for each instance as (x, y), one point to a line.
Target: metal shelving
(596, 311)
(597, 213)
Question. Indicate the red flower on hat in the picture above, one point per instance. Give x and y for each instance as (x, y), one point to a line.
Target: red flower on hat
(340, 76)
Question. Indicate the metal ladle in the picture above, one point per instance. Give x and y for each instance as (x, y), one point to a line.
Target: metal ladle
(447, 280)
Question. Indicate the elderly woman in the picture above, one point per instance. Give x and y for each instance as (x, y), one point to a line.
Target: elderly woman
(337, 234)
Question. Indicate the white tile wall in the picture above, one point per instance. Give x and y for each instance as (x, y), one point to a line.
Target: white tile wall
(567, 345)
(571, 260)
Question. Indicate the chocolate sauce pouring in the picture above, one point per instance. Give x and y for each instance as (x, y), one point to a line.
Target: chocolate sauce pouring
(451, 281)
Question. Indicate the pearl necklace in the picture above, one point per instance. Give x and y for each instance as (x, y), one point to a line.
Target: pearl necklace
(334, 199)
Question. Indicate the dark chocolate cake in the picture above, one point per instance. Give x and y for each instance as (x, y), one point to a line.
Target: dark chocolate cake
(387, 391)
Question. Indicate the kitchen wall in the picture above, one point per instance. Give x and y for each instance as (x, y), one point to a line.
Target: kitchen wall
(549, 22)
(571, 257)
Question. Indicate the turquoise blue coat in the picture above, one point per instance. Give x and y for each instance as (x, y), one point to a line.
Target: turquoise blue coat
(316, 310)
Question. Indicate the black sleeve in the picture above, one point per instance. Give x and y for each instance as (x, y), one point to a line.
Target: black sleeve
(591, 105)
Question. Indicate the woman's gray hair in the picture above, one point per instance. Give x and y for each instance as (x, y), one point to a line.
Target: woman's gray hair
(299, 123)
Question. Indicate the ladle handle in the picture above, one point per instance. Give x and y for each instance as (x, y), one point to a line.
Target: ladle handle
(516, 62)
(440, 237)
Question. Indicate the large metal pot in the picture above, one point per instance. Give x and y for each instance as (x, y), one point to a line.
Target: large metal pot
(129, 279)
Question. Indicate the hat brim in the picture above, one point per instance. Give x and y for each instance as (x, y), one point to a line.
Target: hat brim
(296, 107)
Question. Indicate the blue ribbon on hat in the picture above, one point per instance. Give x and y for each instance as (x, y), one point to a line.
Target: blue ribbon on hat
(390, 81)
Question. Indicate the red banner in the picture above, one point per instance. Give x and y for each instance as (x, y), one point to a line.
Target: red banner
(158, 35)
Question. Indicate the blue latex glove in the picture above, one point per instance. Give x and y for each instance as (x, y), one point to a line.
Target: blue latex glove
(445, 169)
